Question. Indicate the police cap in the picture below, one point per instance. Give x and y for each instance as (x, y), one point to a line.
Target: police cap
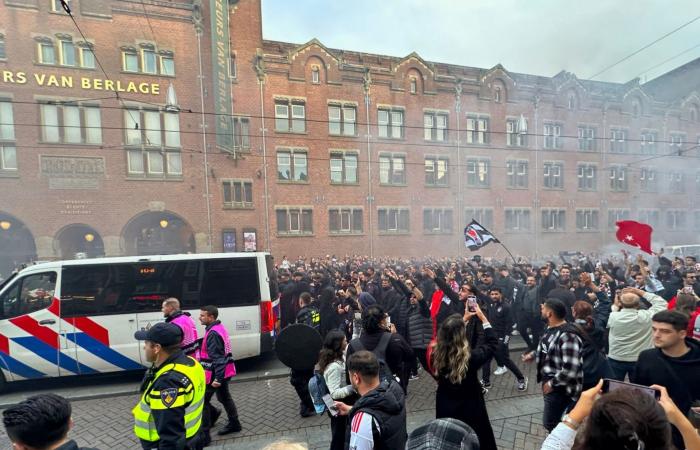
(165, 334)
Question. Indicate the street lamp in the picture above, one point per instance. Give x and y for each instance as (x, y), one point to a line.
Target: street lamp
(163, 223)
(5, 225)
(89, 237)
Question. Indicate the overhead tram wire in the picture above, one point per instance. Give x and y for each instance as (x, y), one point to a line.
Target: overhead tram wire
(430, 143)
(643, 48)
(666, 60)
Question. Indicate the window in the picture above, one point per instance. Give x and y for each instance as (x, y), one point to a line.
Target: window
(393, 220)
(676, 141)
(587, 177)
(586, 139)
(87, 56)
(436, 171)
(29, 294)
(437, 221)
(477, 130)
(232, 68)
(8, 158)
(514, 136)
(618, 179)
(552, 136)
(47, 51)
(238, 193)
(343, 220)
(315, 75)
(517, 220)
(647, 180)
(435, 126)
(57, 7)
(130, 60)
(618, 140)
(587, 220)
(482, 215)
(74, 124)
(292, 165)
(156, 134)
(390, 122)
(675, 220)
(148, 59)
(342, 119)
(615, 215)
(3, 54)
(241, 133)
(553, 174)
(343, 168)
(293, 221)
(553, 220)
(478, 172)
(127, 288)
(290, 123)
(413, 85)
(497, 95)
(571, 104)
(7, 128)
(648, 142)
(517, 173)
(676, 182)
(167, 63)
(67, 52)
(392, 169)
(650, 217)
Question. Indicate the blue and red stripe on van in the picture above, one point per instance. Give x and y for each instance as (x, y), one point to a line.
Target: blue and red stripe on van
(12, 365)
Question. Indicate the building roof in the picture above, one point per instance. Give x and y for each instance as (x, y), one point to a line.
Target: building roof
(677, 83)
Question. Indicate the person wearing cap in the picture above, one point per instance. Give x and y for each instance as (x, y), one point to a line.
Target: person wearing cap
(169, 413)
(173, 314)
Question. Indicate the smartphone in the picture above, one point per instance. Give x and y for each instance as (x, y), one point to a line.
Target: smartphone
(471, 303)
(613, 385)
(388, 320)
(330, 404)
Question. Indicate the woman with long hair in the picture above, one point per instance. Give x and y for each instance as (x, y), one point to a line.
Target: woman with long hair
(454, 364)
(331, 363)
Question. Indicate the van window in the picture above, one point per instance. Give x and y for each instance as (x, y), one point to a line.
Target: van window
(28, 294)
(142, 287)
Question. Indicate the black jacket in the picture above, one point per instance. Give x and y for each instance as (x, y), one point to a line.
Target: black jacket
(420, 325)
(501, 319)
(217, 353)
(397, 353)
(475, 329)
(387, 404)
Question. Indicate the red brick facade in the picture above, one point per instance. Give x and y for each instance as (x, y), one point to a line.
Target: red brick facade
(44, 194)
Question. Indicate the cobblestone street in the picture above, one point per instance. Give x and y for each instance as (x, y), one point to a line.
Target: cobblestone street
(269, 408)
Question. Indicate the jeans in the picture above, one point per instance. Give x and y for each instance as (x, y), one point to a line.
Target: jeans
(502, 359)
(300, 380)
(622, 368)
(535, 325)
(223, 395)
(556, 404)
(338, 425)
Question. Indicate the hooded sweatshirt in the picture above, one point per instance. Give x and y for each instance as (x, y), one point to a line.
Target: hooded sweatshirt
(379, 415)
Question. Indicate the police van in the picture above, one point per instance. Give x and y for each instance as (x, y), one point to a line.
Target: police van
(79, 317)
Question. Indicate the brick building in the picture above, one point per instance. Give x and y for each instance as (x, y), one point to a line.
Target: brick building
(303, 149)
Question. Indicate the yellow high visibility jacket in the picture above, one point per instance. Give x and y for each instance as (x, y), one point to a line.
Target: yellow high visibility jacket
(175, 385)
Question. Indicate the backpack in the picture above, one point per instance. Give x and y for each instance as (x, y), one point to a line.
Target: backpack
(380, 352)
(595, 363)
(317, 389)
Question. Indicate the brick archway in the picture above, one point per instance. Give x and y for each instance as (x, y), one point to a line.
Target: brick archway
(158, 233)
(17, 244)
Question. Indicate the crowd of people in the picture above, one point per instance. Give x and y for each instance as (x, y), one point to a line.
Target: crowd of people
(615, 343)
(583, 318)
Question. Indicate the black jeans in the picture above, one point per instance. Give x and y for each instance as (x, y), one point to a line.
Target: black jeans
(420, 354)
(621, 369)
(502, 359)
(535, 326)
(338, 425)
(223, 395)
(556, 403)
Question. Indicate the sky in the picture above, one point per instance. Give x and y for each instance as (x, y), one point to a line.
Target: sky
(540, 37)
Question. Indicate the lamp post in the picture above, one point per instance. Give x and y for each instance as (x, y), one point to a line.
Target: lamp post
(5, 225)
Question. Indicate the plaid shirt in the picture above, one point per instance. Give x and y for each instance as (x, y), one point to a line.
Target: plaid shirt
(559, 360)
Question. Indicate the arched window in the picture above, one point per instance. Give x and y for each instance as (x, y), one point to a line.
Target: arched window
(497, 95)
(693, 113)
(635, 108)
(315, 75)
(572, 103)
(413, 85)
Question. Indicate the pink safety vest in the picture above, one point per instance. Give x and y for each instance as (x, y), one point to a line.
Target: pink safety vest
(207, 363)
(190, 343)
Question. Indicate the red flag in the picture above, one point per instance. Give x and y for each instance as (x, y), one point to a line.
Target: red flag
(635, 234)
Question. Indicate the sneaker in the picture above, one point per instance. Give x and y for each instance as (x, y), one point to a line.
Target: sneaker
(522, 384)
(500, 370)
(486, 384)
(308, 412)
(414, 376)
(484, 392)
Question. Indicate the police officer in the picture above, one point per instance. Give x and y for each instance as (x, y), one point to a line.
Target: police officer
(308, 315)
(169, 413)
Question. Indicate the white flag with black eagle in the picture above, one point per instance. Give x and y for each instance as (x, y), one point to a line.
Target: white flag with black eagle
(476, 236)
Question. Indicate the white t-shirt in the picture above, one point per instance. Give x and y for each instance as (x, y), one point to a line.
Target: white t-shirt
(361, 437)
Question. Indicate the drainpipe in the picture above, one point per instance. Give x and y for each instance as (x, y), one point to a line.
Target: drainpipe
(264, 150)
(370, 200)
(204, 142)
(458, 110)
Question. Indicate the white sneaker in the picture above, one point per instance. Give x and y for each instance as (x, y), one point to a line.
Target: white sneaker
(500, 370)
